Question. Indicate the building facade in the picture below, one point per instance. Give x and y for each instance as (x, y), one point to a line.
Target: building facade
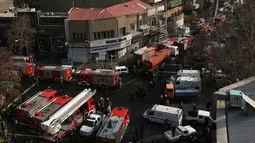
(50, 37)
(103, 34)
(175, 15)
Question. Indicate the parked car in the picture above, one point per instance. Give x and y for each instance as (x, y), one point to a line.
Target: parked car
(91, 125)
(199, 116)
(122, 70)
(181, 131)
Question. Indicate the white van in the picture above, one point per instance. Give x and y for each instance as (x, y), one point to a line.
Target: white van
(121, 70)
(159, 113)
(189, 73)
(187, 83)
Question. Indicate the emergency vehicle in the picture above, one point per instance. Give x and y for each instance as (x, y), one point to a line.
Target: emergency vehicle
(55, 73)
(144, 53)
(114, 127)
(31, 106)
(69, 117)
(98, 77)
(184, 43)
(23, 65)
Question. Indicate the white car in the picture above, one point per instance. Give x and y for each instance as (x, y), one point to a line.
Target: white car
(121, 70)
(181, 131)
(92, 124)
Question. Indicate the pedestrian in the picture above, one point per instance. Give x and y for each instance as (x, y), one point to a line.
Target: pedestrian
(194, 106)
(137, 95)
(99, 106)
(167, 102)
(161, 101)
(132, 96)
(136, 133)
(141, 133)
(142, 126)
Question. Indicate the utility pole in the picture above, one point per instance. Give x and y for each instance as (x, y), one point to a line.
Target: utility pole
(216, 6)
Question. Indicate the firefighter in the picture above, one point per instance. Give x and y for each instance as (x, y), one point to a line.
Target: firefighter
(173, 131)
(181, 105)
(99, 106)
(120, 85)
(106, 93)
(141, 132)
(208, 105)
(109, 109)
(136, 133)
(109, 103)
(194, 106)
(154, 81)
(102, 102)
(142, 126)
(140, 88)
(150, 85)
(161, 100)
(132, 96)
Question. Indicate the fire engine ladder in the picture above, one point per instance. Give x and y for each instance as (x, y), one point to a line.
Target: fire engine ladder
(31, 99)
(39, 109)
(67, 110)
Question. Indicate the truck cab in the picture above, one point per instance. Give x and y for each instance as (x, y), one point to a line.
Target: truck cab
(199, 116)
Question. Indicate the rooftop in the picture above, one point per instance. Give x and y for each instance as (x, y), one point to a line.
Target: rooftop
(144, 50)
(129, 8)
(111, 127)
(232, 124)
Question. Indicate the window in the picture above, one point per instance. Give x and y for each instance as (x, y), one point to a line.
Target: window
(98, 119)
(103, 35)
(123, 69)
(123, 31)
(151, 113)
(132, 27)
(79, 36)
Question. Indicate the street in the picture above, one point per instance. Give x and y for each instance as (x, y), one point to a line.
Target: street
(121, 98)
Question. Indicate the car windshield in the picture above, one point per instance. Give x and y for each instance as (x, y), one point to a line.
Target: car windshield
(148, 111)
(89, 123)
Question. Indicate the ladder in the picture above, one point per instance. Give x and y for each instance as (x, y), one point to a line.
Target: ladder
(30, 99)
(42, 107)
(67, 110)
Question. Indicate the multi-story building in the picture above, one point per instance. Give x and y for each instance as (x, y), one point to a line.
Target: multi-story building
(175, 15)
(190, 5)
(50, 36)
(104, 33)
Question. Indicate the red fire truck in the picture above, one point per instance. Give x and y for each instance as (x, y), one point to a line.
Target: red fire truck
(53, 73)
(39, 107)
(69, 117)
(114, 127)
(184, 43)
(23, 65)
(153, 62)
(98, 78)
(144, 53)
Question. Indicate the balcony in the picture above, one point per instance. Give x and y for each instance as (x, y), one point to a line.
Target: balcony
(176, 17)
(110, 44)
(174, 3)
(154, 1)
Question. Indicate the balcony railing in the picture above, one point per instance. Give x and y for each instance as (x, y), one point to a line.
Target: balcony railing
(110, 44)
(191, 7)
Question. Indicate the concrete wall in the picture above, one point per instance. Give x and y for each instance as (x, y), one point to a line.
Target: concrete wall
(102, 25)
(77, 27)
(125, 21)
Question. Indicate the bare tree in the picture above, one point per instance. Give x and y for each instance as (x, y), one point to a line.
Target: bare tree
(9, 81)
(22, 33)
